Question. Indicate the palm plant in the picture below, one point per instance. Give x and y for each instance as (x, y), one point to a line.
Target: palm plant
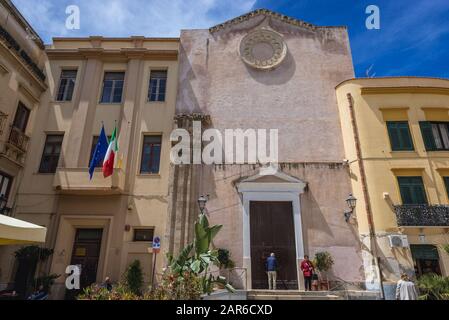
(197, 257)
(434, 287)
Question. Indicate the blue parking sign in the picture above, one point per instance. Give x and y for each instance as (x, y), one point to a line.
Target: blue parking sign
(156, 243)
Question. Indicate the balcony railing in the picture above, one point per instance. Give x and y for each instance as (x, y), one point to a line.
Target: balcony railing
(18, 139)
(16, 145)
(14, 45)
(3, 208)
(3, 121)
(422, 215)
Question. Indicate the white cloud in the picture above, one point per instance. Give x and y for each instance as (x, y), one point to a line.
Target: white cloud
(157, 18)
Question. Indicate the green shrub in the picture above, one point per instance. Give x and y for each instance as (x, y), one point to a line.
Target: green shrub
(134, 278)
(175, 287)
(118, 292)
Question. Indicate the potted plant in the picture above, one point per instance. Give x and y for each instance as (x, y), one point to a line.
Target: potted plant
(28, 259)
(323, 262)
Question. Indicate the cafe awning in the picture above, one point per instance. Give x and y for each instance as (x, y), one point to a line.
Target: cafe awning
(14, 231)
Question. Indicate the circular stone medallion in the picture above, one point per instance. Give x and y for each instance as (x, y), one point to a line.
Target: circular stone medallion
(263, 49)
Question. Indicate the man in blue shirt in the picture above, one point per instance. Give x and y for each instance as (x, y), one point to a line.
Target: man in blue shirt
(271, 267)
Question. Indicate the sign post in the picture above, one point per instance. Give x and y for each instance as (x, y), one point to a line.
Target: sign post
(156, 250)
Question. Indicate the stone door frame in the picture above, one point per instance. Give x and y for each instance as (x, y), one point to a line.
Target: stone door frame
(283, 188)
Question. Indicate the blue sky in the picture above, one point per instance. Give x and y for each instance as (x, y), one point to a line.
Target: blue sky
(413, 38)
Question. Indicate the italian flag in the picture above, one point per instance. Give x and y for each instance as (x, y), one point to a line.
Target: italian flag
(108, 163)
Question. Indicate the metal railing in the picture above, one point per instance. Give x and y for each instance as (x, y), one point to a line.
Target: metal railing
(3, 121)
(18, 139)
(15, 46)
(422, 215)
(4, 210)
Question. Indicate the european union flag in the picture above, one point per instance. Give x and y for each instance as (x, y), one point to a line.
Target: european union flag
(99, 153)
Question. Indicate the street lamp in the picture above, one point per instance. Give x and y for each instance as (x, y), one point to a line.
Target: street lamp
(351, 201)
(202, 202)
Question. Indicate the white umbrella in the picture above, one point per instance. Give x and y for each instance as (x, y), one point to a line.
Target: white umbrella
(14, 231)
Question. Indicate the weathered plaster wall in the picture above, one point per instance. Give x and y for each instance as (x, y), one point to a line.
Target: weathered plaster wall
(322, 208)
(298, 98)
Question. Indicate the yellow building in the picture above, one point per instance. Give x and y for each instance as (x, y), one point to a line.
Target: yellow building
(396, 139)
(103, 224)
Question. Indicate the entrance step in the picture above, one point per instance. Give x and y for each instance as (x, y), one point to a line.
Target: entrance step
(292, 295)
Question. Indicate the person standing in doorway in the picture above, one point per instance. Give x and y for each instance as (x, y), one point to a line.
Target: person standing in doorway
(405, 289)
(271, 267)
(307, 271)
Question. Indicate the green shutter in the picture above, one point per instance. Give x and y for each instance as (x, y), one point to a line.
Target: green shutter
(424, 251)
(394, 137)
(405, 136)
(400, 136)
(412, 190)
(446, 183)
(427, 135)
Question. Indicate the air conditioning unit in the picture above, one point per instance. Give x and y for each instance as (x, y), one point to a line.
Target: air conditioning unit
(398, 241)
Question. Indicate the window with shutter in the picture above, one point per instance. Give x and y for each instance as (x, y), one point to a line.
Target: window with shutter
(112, 87)
(50, 155)
(151, 154)
(158, 85)
(66, 85)
(412, 190)
(435, 135)
(400, 136)
(446, 184)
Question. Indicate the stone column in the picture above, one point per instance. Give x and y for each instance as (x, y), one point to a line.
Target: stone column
(184, 190)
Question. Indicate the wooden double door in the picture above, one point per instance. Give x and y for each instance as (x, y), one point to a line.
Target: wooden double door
(86, 254)
(272, 230)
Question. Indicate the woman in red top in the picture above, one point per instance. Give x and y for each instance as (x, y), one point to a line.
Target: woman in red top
(307, 271)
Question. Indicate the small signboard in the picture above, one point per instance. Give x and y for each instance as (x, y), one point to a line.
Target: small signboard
(156, 244)
(80, 252)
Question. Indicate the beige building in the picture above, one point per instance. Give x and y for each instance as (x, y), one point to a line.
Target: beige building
(396, 139)
(103, 224)
(22, 82)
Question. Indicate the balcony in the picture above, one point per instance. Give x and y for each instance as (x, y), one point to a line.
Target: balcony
(13, 45)
(3, 208)
(18, 139)
(76, 181)
(422, 215)
(16, 146)
(3, 121)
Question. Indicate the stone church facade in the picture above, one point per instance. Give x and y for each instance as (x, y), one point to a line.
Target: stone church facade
(267, 71)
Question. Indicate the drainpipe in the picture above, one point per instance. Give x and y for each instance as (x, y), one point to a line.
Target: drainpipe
(369, 213)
